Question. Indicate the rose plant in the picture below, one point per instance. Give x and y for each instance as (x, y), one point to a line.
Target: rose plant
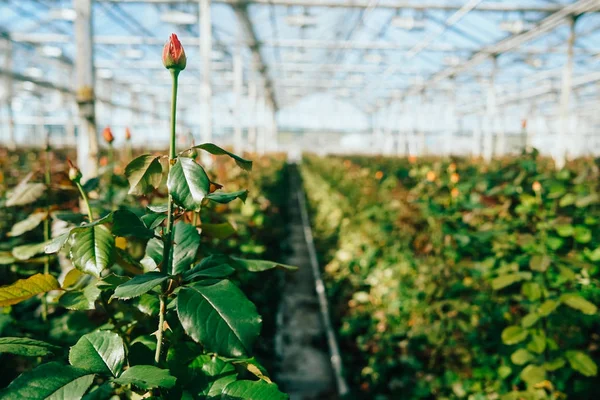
(178, 325)
(470, 280)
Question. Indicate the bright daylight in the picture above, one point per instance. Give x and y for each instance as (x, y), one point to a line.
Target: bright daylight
(299, 199)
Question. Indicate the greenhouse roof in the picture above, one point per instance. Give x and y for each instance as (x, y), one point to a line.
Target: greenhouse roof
(309, 57)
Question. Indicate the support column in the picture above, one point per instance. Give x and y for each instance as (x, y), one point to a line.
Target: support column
(477, 134)
(262, 125)
(205, 53)
(403, 129)
(273, 144)
(388, 140)
(450, 120)
(488, 142)
(238, 83)
(11, 142)
(501, 143)
(420, 131)
(560, 152)
(70, 125)
(252, 100)
(87, 149)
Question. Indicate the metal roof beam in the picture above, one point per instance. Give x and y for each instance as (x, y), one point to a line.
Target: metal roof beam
(258, 63)
(544, 26)
(490, 6)
(39, 38)
(69, 91)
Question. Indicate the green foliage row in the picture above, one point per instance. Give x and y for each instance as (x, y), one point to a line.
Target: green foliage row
(82, 300)
(459, 279)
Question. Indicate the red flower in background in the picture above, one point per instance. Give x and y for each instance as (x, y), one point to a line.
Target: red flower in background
(127, 134)
(108, 135)
(173, 56)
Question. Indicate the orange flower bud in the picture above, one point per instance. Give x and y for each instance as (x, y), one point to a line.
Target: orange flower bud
(173, 56)
(454, 178)
(536, 186)
(431, 176)
(127, 134)
(379, 175)
(107, 135)
(412, 159)
(454, 193)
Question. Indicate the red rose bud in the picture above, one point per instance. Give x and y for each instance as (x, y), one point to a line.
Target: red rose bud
(127, 134)
(107, 134)
(74, 172)
(173, 56)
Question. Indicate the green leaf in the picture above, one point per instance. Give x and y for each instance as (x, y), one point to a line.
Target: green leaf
(594, 255)
(25, 192)
(186, 241)
(91, 184)
(225, 198)
(144, 174)
(212, 375)
(139, 285)
(252, 390)
(555, 364)
(582, 363)
(92, 249)
(579, 303)
(567, 273)
(587, 200)
(216, 150)
(218, 231)
(26, 347)
(567, 200)
(521, 357)
(146, 377)
(153, 220)
(154, 254)
(126, 223)
(504, 371)
(260, 265)
(530, 320)
(7, 258)
(582, 234)
(220, 317)
(503, 281)
(84, 299)
(538, 342)
(28, 251)
(28, 224)
(24, 289)
(188, 184)
(513, 335)
(162, 208)
(547, 307)
(56, 244)
(111, 281)
(213, 266)
(52, 381)
(533, 374)
(531, 290)
(101, 352)
(565, 230)
(539, 262)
